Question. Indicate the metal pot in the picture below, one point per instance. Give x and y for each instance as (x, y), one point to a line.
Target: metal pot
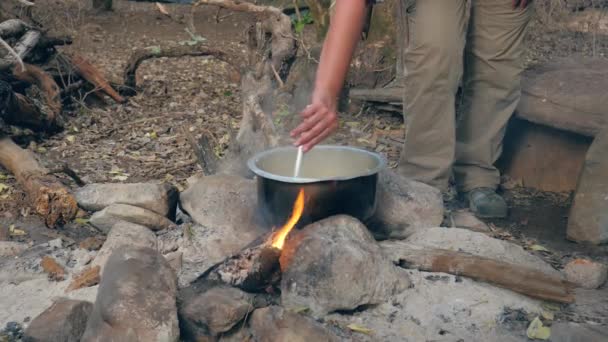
(335, 179)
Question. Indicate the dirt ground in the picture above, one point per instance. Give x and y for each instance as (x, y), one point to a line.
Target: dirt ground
(144, 139)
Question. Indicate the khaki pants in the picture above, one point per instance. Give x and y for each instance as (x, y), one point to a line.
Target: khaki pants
(478, 42)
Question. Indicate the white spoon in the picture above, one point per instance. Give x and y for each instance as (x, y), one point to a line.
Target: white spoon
(296, 171)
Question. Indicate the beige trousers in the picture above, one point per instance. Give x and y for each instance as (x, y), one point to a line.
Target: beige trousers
(478, 43)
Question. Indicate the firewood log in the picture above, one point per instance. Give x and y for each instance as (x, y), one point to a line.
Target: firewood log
(12, 28)
(26, 44)
(517, 278)
(48, 86)
(49, 197)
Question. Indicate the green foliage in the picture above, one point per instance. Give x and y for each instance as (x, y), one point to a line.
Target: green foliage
(304, 19)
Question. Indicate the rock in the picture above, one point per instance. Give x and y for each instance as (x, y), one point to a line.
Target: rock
(124, 234)
(226, 215)
(588, 219)
(586, 273)
(224, 201)
(93, 243)
(159, 198)
(214, 311)
(404, 206)
(55, 271)
(275, 324)
(442, 307)
(12, 248)
(88, 277)
(466, 220)
(136, 299)
(323, 268)
(456, 239)
(175, 260)
(573, 332)
(64, 321)
(109, 216)
(56, 243)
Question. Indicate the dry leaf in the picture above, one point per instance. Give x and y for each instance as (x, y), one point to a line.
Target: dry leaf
(548, 315)
(121, 178)
(537, 331)
(539, 248)
(3, 187)
(70, 138)
(81, 220)
(357, 328)
(13, 231)
(162, 9)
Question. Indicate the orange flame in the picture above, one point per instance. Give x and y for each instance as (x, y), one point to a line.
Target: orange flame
(278, 239)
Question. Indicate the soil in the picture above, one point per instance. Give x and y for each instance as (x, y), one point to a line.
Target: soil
(144, 139)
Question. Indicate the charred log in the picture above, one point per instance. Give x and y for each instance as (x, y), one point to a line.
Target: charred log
(19, 110)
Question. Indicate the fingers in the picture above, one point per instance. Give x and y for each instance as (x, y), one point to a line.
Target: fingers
(309, 123)
(324, 134)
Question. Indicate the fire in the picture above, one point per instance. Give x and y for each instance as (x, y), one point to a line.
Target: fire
(278, 239)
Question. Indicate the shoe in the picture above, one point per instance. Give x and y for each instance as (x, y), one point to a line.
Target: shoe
(486, 203)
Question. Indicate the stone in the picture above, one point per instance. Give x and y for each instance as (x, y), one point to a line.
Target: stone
(586, 273)
(64, 321)
(92, 243)
(56, 243)
(159, 198)
(574, 332)
(323, 267)
(404, 206)
(466, 219)
(275, 324)
(588, 219)
(175, 259)
(214, 312)
(12, 248)
(464, 240)
(124, 234)
(224, 201)
(109, 216)
(441, 307)
(226, 221)
(80, 259)
(136, 299)
(50, 266)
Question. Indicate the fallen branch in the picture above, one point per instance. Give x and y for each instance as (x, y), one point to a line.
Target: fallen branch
(524, 280)
(50, 199)
(171, 51)
(90, 73)
(12, 53)
(25, 45)
(241, 6)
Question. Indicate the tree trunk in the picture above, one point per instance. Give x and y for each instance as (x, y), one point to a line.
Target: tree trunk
(104, 5)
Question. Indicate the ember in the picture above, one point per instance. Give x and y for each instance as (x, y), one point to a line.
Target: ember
(278, 238)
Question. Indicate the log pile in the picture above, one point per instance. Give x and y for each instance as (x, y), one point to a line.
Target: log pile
(31, 72)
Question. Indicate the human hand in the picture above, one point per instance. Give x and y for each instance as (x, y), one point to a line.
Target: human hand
(320, 120)
(520, 3)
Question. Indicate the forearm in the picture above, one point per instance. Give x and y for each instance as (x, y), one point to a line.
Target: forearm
(342, 37)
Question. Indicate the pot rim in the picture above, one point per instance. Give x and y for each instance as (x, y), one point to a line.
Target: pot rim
(252, 164)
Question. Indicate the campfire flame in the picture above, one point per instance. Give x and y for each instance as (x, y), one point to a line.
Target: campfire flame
(278, 239)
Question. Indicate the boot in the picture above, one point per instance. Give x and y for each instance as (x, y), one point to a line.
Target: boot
(486, 203)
